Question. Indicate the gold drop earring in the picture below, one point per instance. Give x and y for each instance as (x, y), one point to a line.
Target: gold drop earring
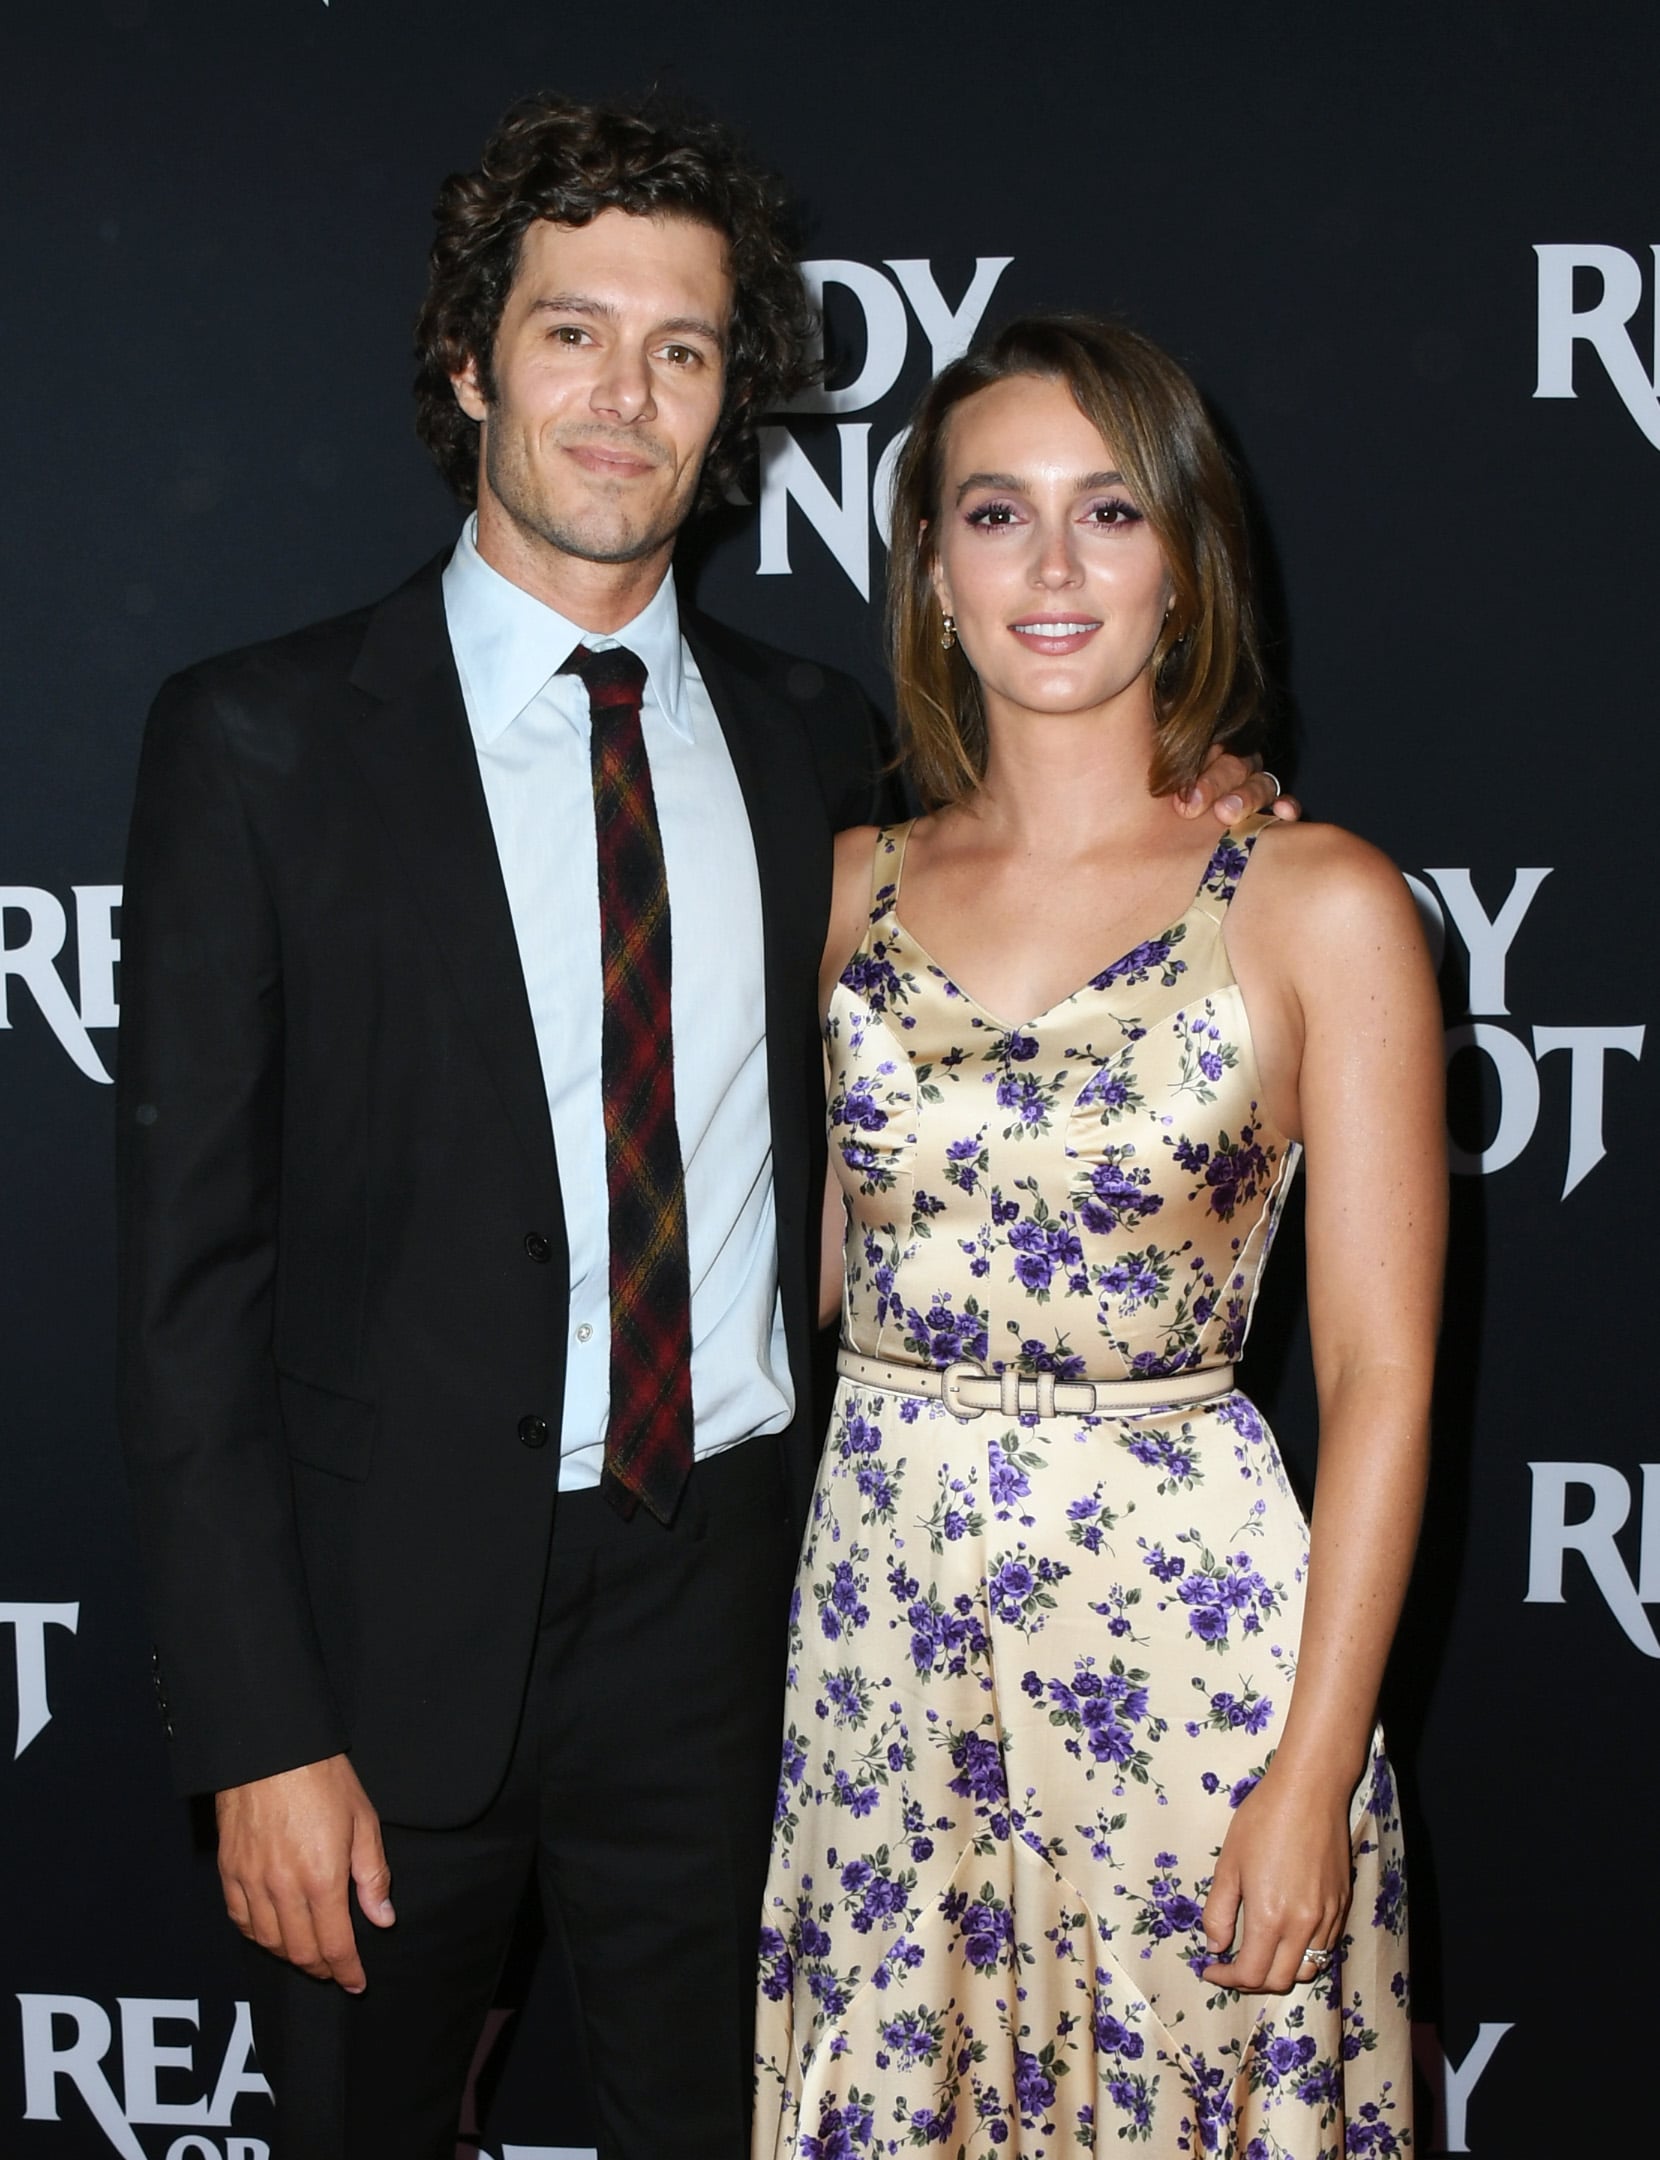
(948, 632)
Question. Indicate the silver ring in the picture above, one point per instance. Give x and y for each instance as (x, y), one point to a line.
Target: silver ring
(1278, 787)
(1319, 1959)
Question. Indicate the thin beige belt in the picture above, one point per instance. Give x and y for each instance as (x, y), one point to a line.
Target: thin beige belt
(968, 1390)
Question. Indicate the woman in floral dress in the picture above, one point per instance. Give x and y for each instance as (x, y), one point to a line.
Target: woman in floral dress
(1085, 1832)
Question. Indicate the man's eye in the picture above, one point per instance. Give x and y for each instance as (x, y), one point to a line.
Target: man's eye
(681, 355)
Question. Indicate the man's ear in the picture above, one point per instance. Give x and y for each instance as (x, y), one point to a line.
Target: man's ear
(468, 395)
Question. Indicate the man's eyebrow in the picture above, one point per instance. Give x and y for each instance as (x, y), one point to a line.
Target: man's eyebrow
(1017, 486)
(574, 303)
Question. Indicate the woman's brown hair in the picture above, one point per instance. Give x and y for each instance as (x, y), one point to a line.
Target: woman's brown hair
(1208, 680)
(554, 158)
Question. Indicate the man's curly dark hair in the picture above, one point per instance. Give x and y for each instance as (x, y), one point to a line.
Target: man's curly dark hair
(551, 157)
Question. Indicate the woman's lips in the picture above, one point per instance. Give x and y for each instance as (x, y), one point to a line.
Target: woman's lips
(1053, 634)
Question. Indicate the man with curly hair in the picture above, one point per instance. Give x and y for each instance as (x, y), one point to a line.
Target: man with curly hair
(470, 1136)
(414, 1628)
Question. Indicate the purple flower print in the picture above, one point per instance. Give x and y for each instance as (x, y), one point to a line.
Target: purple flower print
(1112, 2037)
(978, 1763)
(911, 2038)
(1321, 2087)
(845, 1693)
(1234, 1171)
(933, 2126)
(1110, 1089)
(863, 1437)
(1370, 2135)
(1042, 1244)
(964, 1161)
(1218, 1592)
(986, 1927)
(1034, 2088)
(1139, 1278)
(943, 1336)
(1117, 1196)
(954, 1636)
(1241, 1414)
(884, 1897)
(1208, 2090)
(856, 1107)
(842, 2132)
(1023, 1095)
(1160, 1452)
(1168, 1567)
(1151, 958)
(1017, 1048)
(1226, 867)
(1390, 1909)
(1129, 2093)
(1284, 2056)
(857, 1799)
(1008, 1481)
(1037, 1356)
(777, 1966)
(877, 1487)
(1018, 1587)
(841, 1609)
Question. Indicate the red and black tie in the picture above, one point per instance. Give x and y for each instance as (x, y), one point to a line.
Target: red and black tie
(648, 1440)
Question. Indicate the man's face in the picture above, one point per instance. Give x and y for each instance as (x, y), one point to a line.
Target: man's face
(609, 371)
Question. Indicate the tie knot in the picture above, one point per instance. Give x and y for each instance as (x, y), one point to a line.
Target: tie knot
(615, 677)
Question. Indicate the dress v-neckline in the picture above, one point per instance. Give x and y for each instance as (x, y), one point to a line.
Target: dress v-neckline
(1020, 1027)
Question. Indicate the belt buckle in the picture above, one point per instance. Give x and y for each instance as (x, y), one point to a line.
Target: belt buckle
(951, 1379)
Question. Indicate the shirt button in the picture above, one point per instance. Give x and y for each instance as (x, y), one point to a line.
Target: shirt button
(538, 1246)
(533, 1431)
(584, 1333)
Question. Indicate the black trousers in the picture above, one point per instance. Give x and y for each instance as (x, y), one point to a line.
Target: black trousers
(640, 1797)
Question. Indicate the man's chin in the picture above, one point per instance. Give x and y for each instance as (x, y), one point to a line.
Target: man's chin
(603, 543)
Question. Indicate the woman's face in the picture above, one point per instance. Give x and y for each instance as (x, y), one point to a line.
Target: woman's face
(1057, 584)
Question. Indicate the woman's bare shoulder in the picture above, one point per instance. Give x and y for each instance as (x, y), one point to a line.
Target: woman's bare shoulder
(855, 853)
(855, 860)
(1326, 894)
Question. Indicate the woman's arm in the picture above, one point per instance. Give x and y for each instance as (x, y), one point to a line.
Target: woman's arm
(849, 913)
(1358, 998)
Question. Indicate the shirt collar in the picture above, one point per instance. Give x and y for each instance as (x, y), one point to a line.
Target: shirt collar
(508, 644)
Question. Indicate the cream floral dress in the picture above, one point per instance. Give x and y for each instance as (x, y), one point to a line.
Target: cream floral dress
(1035, 1663)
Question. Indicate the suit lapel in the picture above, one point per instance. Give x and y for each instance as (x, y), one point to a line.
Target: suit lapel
(411, 741)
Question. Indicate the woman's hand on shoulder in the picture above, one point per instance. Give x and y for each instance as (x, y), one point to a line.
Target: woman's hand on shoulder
(855, 858)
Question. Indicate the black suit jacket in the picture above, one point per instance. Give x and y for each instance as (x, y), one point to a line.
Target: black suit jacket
(344, 1276)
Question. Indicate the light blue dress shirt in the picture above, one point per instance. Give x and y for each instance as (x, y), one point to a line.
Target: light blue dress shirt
(530, 728)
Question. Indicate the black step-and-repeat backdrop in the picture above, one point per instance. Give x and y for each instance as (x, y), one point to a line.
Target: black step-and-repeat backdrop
(1411, 255)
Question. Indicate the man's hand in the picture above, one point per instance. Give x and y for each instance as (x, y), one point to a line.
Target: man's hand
(288, 1845)
(1234, 788)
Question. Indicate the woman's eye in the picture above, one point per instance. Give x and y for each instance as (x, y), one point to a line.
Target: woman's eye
(1114, 513)
(995, 513)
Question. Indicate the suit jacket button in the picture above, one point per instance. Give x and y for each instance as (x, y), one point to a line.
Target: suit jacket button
(538, 1246)
(533, 1431)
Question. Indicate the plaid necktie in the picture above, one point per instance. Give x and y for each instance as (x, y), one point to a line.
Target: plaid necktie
(648, 1440)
